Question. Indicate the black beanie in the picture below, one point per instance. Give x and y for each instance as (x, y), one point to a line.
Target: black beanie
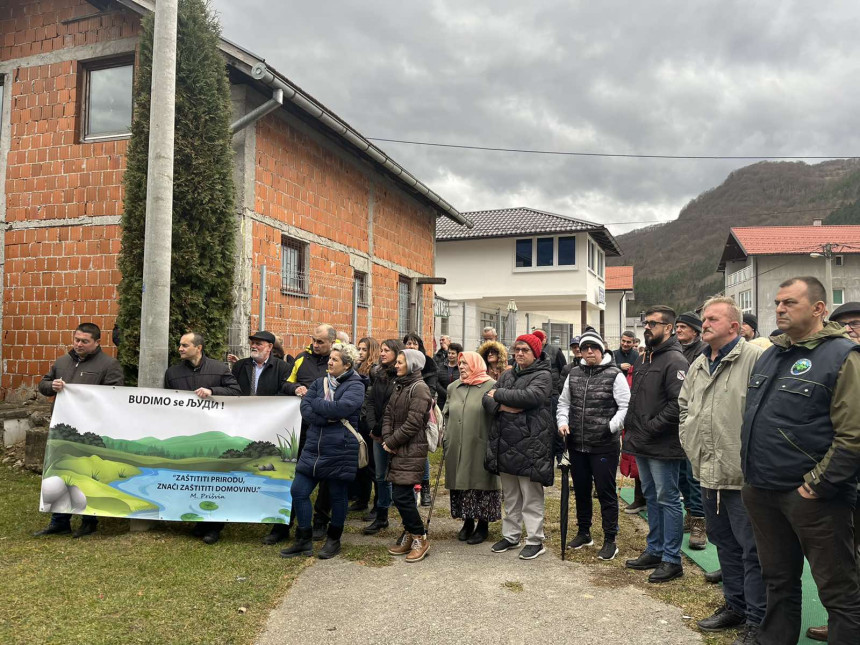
(690, 319)
(752, 321)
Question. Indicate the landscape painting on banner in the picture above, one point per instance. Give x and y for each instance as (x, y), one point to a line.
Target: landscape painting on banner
(170, 455)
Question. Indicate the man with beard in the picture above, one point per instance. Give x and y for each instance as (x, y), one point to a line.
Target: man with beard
(652, 437)
(263, 374)
(688, 330)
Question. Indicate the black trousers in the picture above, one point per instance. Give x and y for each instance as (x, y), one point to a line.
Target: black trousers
(403, 497)
(585, 467)
(788, 527)
(322, 505)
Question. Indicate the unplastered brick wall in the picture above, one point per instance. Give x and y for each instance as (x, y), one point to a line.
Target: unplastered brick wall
(301, 183)
(29, 27)
(55, 278)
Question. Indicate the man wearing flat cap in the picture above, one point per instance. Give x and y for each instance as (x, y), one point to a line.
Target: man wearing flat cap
(261, 374)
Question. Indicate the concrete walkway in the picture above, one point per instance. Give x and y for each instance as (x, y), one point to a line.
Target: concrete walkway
(458, 594)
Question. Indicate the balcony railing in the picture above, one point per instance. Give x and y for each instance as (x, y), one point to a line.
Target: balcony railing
(739, 276)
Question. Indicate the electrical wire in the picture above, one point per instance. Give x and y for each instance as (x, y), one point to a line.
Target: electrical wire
(609, 155)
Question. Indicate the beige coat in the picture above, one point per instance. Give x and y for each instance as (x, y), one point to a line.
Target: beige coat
(712, 413)
(467, 425)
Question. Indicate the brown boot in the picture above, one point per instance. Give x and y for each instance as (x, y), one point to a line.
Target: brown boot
(688, 522)
(817, 633)
(403, 545)
(419, 548)
(698, 540)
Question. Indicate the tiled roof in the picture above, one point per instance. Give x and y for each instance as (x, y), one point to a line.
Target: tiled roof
(515, 222)
(788, 240)
(619, 278)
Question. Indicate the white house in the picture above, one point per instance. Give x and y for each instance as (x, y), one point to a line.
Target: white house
(758, 258)
(521, 269)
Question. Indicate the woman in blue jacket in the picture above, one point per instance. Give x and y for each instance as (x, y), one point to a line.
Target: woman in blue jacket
(331, 451)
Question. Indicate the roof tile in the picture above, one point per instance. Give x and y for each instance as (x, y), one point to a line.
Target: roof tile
(796, 240)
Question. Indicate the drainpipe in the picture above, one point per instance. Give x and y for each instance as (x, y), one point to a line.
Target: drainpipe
(258, 113)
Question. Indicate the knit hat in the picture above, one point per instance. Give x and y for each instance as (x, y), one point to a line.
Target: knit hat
(541, 334)
(574, 341)
(752, 321)
(690, 319)
(533, 342)
(414, 359)
(591, 337)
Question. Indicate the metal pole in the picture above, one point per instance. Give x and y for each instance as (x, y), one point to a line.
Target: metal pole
(355, 312)
(262, 321)
(828, 277)
(155, 299)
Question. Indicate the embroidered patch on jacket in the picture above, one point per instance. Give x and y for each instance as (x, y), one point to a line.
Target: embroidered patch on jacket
(801, 367)
(681, 375)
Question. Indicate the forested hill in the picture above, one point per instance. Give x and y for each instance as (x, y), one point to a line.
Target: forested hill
(675, 263)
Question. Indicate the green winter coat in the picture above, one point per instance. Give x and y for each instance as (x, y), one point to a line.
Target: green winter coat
(712, 414)
(467, 425)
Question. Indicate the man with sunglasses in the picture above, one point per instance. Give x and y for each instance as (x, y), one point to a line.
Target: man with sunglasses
(652, 437)
(310, 365)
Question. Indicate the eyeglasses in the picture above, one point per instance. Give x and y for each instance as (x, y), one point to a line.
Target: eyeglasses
(651, 324)
(853, 324)
(521, 350)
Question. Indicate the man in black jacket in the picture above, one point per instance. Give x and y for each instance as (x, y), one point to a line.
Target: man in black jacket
(652, 437)
(205, 377)
(263, 374)
(557, 362)
(626, 355)
(84, 363)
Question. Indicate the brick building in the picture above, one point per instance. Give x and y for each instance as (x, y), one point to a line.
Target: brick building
(345, 234)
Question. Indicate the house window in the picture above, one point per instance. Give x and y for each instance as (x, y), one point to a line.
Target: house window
(592, 256)
(745, 301)
(838, 260)
(838, 297)
(107, 99)
(403, 306)
(600, 262)
(545, 252)
(524, 253)
(294, 272)
(361, 289)
(566, 251)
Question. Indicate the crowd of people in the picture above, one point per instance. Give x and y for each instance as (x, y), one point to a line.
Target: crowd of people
(751, 443)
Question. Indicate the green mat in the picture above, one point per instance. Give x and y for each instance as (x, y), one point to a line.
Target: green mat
(813, 613)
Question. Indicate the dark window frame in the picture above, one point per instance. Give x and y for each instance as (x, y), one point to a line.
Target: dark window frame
(85, 68)
(299, 286)
(361, 291)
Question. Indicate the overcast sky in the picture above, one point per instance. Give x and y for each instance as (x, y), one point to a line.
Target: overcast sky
(657, 77)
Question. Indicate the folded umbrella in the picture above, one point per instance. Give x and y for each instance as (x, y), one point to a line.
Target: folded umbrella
(564, 464)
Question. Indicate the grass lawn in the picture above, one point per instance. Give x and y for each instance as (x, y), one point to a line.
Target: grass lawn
(160, 586)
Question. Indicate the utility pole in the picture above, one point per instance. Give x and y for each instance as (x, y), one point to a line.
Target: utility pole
(155, 299)
(158, 237)
(827, 253)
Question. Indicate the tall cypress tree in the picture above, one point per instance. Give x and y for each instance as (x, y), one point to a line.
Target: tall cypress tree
(203, 254)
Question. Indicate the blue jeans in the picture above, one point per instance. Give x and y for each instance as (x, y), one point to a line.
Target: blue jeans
(665, 514)
(691, 490)
(301, 491)
(730, 530)
(383, 488)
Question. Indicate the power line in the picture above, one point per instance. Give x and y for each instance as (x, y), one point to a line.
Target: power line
(608, 154)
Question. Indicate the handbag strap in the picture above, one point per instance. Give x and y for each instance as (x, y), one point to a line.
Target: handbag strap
(345, 422)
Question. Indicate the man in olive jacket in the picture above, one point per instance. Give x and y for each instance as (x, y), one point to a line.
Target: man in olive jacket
(87, 364)
(652, 437)
(711, 415)
(520, 444)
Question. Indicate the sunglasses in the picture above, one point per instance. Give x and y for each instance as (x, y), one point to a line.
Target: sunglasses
(651, 324)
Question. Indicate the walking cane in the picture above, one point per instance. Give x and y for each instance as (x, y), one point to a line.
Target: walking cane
(436, 488)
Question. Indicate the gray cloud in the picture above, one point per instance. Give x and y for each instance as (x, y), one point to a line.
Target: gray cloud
(690, 78)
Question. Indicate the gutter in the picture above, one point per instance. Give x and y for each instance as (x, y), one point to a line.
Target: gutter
(259, 112)
(261, 72)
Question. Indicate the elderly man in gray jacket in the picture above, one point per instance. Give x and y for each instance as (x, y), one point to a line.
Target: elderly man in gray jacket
(711, 415)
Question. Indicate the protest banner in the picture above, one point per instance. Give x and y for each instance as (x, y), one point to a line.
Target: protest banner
(169, 455)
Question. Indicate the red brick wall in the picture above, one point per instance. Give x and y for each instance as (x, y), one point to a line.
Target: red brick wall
(30, 27)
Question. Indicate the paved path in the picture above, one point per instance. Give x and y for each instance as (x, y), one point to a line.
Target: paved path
(458, 595)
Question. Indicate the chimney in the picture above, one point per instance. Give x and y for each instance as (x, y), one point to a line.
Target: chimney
(817, 221)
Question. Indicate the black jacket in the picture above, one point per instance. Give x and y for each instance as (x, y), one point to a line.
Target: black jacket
(377, 398)
(209, 373)
(691, 352)
(651, 423)
(620, 356)
(443, 381)
(556, 361)
(272, 381)
(522, 443)
(307, 369)
(429, 374)
(96, 369)
(592, 405)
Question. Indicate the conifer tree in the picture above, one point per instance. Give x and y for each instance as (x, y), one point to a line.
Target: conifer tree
(203, 254)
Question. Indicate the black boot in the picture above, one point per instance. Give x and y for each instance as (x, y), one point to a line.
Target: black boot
(480, 533)
(370, 516)
(467, 530)
(381, 522)
(332, 542)
(425, 493)
(279, 533)
(319, 531)
(303, 546)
